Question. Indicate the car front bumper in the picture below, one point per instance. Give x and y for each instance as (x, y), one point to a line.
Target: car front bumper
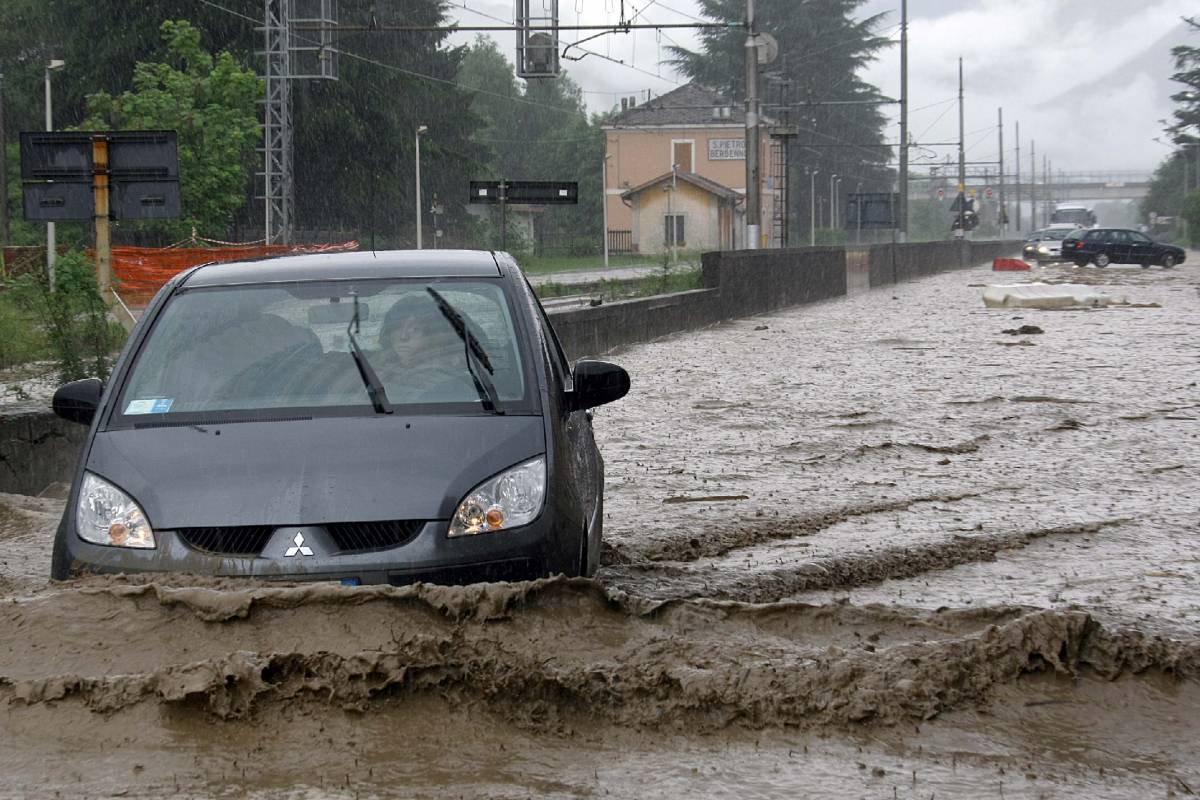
(519, 554)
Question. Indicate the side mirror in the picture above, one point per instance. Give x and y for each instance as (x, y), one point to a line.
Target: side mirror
(77, 401)
(597, 383)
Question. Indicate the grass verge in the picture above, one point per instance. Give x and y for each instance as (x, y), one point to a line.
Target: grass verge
(608, 291)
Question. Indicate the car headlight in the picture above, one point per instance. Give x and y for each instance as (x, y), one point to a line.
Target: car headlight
(509, 500)
(108, 516)
(1043, 250)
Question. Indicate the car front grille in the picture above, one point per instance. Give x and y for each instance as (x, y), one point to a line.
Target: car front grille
(361, 537)
(348, 537)
(241, 540)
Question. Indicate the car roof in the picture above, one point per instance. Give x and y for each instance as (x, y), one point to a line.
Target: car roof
(343, 266)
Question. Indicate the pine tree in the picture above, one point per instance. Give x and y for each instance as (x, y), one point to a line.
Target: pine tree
(822, 48)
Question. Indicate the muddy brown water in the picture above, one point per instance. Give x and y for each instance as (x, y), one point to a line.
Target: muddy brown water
(869, 550)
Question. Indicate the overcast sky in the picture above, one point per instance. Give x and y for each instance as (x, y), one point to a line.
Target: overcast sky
(1088, 79)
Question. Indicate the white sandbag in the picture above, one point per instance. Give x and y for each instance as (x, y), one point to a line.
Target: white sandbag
(1047, 295)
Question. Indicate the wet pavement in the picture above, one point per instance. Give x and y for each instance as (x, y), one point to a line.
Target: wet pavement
(874, 547)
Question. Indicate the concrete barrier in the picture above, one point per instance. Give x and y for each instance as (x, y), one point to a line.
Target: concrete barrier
(36, 449)
(746, 282)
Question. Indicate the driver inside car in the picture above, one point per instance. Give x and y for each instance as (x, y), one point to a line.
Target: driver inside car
(420, 357)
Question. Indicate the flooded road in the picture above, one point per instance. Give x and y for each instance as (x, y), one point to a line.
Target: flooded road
(875, 547)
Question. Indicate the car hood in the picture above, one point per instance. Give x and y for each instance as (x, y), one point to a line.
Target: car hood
(311, 471)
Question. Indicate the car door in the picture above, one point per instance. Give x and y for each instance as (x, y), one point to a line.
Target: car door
(584, 465)
(1118, 247)
(1141, 248)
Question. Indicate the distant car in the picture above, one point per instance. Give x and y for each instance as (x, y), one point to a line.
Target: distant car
(1104, 246)
(1046, 244)
(246, 432)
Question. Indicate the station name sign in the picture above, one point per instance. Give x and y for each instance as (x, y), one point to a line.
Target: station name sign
(727, 149)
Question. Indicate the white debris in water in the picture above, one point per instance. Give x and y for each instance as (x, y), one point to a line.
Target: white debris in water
(1048, 295)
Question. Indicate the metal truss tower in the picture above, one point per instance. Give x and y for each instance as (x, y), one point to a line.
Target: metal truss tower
(279, 194)
(297, 46)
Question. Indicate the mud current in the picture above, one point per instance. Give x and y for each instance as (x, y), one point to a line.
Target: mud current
(875, 547)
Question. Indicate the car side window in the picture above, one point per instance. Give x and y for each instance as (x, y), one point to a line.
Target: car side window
(1140, 238)
(1094, 236)
(557, 355)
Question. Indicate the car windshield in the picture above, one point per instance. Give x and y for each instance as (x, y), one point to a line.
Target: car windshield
(231, 351)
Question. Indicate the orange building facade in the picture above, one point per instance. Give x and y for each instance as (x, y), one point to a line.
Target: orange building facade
(692, 131)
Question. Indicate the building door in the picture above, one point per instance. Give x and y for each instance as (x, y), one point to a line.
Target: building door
(681, 154)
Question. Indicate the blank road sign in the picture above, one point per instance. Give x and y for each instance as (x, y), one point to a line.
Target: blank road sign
(56, 156)
(145, 200)
(52, 202)
(143, 154)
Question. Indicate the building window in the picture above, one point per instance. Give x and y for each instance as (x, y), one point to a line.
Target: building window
(673, 223)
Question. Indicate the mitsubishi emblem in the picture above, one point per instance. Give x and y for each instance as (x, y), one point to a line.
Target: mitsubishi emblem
(298, 547)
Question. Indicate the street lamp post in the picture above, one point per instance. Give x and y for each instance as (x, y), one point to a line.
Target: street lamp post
(420, 130)
(604, 201)
(812, 207)
(858, 212)
(53, 64)
(832, 189)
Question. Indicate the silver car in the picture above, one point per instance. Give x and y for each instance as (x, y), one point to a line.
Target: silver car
(1045, 245)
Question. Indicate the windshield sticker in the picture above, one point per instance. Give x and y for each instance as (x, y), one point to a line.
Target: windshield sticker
(154, 405)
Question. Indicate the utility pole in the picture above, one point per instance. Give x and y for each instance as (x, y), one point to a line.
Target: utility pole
(753, 181)
(1003, 205)
(962, 159)
(3, 181)
(1018, 177)
(1033, 198)
(903, 221)
(100, 201)
(1045, 189)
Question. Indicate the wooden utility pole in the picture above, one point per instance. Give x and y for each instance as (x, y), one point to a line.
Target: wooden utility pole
(103, 234)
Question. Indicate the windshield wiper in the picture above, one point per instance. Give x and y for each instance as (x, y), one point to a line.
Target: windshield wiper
(475, 353)
(375, 390)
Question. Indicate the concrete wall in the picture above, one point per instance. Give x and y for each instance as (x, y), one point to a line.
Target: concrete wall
(746, 282)
(36, 449)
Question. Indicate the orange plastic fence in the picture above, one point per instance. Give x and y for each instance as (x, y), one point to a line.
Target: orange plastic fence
(139, 272)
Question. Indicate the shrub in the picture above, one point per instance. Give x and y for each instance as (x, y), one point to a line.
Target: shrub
(73, 318)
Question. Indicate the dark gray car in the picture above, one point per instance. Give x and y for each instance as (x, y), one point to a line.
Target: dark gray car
(364, 417)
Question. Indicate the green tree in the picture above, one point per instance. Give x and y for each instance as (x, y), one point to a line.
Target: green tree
(1191, 216)
(539, 130)
(354, 148)
(355, 137)
(822, 49)
(213, 105)
(1187, 112)
(1179, 173)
